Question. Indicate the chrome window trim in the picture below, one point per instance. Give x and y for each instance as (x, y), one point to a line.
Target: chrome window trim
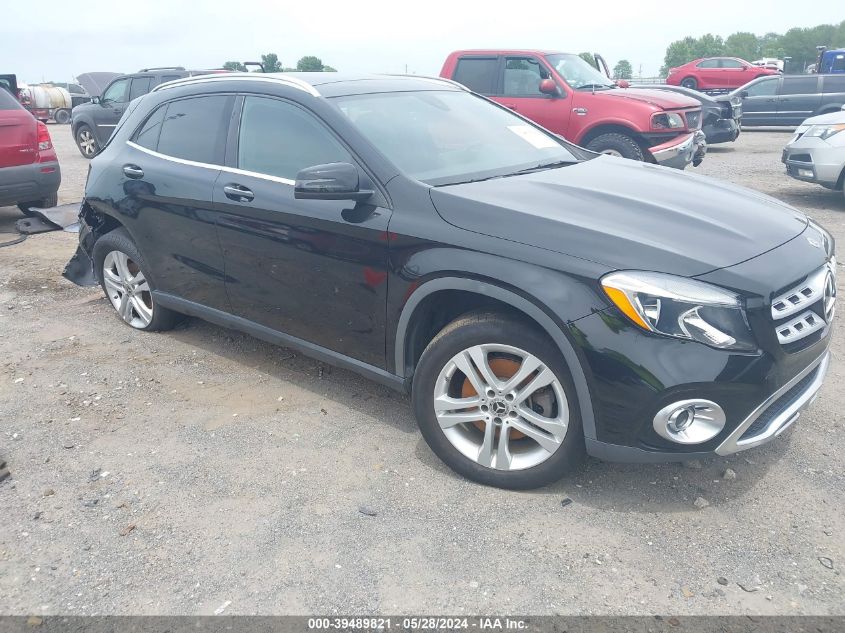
(193, 163)
(269, 77)
(732, 444)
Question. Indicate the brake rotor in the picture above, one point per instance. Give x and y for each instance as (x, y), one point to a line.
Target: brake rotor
(503, 368)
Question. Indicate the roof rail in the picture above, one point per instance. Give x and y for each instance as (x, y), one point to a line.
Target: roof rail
(293, 82)
(146, 70)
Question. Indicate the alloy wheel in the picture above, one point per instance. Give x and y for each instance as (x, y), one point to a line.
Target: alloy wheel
(501, 407)
(87, 142)
(128, 289)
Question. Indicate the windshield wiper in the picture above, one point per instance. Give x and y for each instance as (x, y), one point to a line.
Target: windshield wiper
(542, 166)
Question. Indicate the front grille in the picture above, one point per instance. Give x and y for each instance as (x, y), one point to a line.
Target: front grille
(779, 406)
(806, 307)
(801, 158)
(694, 120)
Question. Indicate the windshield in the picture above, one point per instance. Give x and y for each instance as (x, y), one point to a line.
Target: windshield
(441, 137)
(578, 73)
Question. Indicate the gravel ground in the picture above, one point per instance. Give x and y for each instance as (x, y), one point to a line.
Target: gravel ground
(201, 469)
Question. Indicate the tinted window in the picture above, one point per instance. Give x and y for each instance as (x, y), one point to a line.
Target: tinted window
(140, 86)
(166, 78)
(7, 101)
(116, 92)
(195, 129)
(834, 84)
(799, 85)
(147, 136)
(477, 73)
(708, 63)
(838, 64)
(280, 139)
(765, 87)
(732, 63)
(523, 76)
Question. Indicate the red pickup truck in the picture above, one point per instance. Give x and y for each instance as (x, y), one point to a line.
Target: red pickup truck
(568, 96)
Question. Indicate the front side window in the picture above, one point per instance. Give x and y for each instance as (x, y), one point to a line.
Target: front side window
(280, 139)
(447, 137)
(763, 88)
(116, 92)
(523, 76)
(579, 74)
(477, 73)
(195, 129)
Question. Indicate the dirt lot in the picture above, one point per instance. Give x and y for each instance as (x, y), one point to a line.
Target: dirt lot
(201, 470)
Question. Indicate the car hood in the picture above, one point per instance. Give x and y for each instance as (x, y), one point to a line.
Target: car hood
(663, 99)
(625, 215)
(95, 83)
(824, 119)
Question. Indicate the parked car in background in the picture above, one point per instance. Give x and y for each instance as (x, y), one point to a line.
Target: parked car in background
(568, 96)
(536, 300)
(46, 102)
(831, 62)
(721, 116)
(29, 169)
(770, 62)
(92, 123)
(817, 151)
(716, 73)
(789, 99)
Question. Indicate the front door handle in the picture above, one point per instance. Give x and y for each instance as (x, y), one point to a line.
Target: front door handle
(238, 193)
(133, 171)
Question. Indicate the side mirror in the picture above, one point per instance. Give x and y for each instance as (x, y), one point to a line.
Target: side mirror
(623, 83)
(95, 100)
(549, 87)
(335, 181)
(743, 94)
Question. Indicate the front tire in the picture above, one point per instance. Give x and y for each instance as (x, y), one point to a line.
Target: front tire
(615, 144)
(122, 273)
(495, 401)
(86, 142)
(690, 82)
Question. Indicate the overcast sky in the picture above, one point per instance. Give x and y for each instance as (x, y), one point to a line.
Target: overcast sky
(59, 39)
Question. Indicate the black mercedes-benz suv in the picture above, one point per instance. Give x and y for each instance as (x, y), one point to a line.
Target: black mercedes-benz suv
(537, 301)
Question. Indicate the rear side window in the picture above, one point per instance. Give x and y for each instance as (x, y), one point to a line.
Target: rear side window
(140, 86)
(148, 135)
(834, 84)
(166, 78)
(800, 85)
(477, 73)
(280, 139)
(708, 63)
(731, 63)
(195, 129)
(7, 101)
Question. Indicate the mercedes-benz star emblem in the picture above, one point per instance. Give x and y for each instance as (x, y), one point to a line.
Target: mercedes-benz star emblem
(499, 408)
(829, 297)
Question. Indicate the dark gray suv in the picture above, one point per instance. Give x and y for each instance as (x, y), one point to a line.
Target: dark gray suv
(92, 123)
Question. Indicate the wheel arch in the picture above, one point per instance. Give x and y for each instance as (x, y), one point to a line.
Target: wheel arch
(489, 295)
(615, 127)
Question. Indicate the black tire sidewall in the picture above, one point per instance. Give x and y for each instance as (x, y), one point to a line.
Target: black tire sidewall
(469, 331)
(119, 240)
(623, 144)
(689, 82)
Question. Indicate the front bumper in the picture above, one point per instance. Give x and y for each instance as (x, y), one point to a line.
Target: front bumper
(29, 183)
(681, 151)
(722, 131)
(814, 160)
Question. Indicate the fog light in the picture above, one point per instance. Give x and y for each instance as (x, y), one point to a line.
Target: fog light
(805, 173)
(690, 421)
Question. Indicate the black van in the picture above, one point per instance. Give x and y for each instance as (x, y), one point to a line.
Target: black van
(789, 99)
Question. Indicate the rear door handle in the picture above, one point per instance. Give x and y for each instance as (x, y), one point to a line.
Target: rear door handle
(133, 171)
(238, 193)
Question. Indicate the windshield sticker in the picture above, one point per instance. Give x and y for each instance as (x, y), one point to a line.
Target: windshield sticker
(533, 136)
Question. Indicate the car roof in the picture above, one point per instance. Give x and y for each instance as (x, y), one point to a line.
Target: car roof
(327, 84)
(507, 51)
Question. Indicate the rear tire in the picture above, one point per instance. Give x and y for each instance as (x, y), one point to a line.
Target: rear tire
(62, 117)
(86, 141)
(541, 432)
(123, 275)
(690, 82)
(616, 144)
(45, 203)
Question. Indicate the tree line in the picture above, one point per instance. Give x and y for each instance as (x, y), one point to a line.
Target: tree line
(271, 64)
(799, 44)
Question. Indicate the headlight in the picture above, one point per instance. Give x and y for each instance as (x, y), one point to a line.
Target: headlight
(824, 132)
(666, 121)
(680, 307)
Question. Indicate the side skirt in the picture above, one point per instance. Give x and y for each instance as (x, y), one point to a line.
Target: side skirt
(270, 335)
